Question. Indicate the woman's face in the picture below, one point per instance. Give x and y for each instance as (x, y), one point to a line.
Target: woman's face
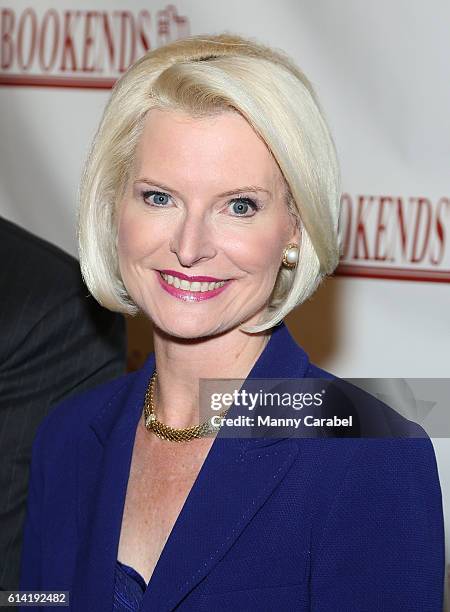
(205, 199)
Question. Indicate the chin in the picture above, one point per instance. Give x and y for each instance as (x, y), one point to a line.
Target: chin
(196, 328)
(187, 330)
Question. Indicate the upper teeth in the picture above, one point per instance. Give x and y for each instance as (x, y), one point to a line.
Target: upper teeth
(187, 286)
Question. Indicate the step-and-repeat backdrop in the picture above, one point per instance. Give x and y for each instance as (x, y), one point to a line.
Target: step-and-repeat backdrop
(381, 71)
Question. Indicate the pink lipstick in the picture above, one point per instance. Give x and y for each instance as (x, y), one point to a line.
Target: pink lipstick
(186, 294)
(191, 279)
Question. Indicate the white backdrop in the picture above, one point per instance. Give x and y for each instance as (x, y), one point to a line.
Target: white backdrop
(381, 71)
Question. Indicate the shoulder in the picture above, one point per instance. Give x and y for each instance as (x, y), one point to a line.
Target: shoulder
(36, 275)
(46, 303)
(383, 449)
(340, 458)
(371, 417)
(313, 371)
(31, 250)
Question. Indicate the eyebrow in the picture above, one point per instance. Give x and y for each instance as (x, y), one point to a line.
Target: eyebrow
(252, 188)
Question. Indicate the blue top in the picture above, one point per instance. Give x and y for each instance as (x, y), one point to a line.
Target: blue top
(129, 589)
(289, 523)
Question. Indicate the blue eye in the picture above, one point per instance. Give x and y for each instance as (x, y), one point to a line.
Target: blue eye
(242, 205)
(160, 198)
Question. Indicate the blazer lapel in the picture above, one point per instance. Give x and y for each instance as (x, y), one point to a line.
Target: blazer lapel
(230, 488)
(104, 463)
(234, 481)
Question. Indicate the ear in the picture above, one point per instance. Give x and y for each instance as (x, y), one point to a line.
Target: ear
(296, 231)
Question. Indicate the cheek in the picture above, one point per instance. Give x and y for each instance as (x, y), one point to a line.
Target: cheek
(260, 250)
(132, 235)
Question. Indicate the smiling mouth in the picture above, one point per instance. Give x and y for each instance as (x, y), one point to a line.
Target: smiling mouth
(192, 287)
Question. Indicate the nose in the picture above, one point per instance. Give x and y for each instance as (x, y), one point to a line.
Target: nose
(192, 240)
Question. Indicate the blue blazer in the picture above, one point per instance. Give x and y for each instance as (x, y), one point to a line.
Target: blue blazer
(329, 525)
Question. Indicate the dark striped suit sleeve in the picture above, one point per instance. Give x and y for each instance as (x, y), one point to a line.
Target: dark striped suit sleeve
(55, 341)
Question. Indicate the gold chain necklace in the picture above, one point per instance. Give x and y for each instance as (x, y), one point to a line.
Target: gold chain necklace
(172, 433)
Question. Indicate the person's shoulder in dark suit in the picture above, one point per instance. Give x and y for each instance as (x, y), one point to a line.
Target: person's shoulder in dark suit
(55, 341)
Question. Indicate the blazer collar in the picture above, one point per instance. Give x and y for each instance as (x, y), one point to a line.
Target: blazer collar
(282, 357)
(208, 523)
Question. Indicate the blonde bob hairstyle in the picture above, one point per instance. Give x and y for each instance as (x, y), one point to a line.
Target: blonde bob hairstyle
(204, 75)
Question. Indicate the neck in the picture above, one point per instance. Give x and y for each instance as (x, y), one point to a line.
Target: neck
(181, 363)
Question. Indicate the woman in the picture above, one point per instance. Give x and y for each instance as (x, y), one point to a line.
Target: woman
(210, 202)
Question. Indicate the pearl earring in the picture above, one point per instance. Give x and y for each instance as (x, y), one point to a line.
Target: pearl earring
(290, 256)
